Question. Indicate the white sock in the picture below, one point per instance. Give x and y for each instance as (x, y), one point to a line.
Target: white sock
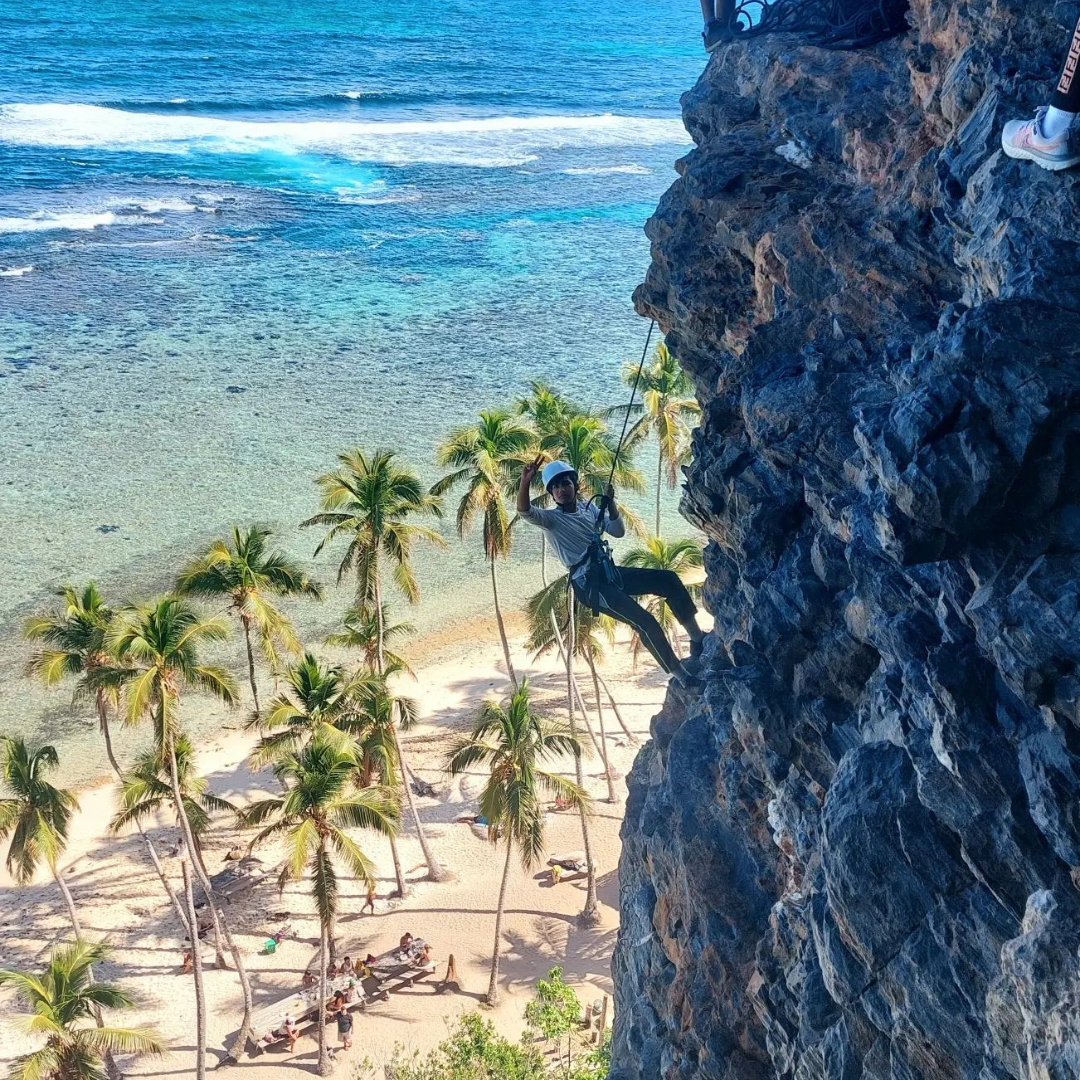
(1056, 122)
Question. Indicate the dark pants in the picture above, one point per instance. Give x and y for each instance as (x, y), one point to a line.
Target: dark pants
(619, 604)
(1067, 93)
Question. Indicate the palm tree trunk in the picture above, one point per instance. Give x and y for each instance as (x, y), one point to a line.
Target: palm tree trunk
(399, 876)
(659, 485)
(103, 720)
(612, 798)
(111, 1068)
(493, 985)
(251, 663)
(69, 903)
(221, 928)
(615, 708)
(560, 645)
(245, 1037)
(502, 627)
(435, 870)
(196, 970)
(590, 914)
(325, 1068)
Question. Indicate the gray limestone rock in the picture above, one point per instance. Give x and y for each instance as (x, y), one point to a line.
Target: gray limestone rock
(855, 855)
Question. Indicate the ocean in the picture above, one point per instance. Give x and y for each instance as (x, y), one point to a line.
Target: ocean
(236, 239)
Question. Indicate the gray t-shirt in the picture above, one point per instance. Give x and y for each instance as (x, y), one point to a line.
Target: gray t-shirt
(570, 534)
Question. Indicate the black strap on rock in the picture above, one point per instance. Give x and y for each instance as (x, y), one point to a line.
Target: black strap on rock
(830, 24)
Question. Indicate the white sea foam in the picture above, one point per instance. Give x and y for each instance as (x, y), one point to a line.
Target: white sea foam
(599, 170)
(72, 220)
(17, 271)
(492, 142)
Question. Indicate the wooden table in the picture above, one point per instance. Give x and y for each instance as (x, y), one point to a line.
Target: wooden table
(392, 966)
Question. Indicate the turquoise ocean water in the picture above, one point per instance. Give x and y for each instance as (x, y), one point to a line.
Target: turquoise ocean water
(237, 238)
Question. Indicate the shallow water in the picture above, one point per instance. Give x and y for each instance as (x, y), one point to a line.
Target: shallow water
(235, 240)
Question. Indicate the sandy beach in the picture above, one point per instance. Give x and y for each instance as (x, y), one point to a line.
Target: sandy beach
(121, 901)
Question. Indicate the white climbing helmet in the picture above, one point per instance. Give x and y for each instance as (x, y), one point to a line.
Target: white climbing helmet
(555, 469)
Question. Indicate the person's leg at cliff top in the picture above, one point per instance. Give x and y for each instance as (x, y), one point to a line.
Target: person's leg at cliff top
(1052, 138)
(571, 527)
(714, 33)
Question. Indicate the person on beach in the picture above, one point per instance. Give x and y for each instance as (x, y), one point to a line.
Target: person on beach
(406, 941)
(369, 900)
(344, 1027)
(1052, 138)
(571, 528)
(347, 967)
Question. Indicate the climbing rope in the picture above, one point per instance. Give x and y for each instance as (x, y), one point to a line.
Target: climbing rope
(626, 423)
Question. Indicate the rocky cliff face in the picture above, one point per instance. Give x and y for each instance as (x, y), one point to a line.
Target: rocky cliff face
(857, 853)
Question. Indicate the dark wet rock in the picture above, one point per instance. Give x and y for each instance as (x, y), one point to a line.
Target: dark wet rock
(856, 854)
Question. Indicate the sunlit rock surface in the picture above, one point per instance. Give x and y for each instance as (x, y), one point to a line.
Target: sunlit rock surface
(857, 853)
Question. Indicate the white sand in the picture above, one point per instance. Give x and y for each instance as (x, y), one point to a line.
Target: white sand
(121, 901)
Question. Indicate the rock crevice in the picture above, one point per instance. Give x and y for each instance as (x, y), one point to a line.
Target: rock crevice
(856, 854)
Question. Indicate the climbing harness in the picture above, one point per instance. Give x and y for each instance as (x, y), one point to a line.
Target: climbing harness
(600, 568)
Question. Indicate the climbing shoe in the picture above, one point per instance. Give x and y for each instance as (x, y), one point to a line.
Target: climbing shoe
(1025, 139)
(715, 34)
(685, 679)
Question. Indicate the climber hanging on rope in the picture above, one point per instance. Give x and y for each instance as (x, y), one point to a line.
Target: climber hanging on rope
(1052, 138)
(574, 531)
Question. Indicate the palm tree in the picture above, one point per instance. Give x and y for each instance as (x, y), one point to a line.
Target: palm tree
(36, 818)
(667, 409)
(362, 627)
(544, 636)
(513, 743)
(160, 643)
(145, 788)
(247, 574)
(74, 646)
(657, 554)
(59, 999)
(315, 698)
(320, 802)
(323, 700)
(372, 501)
(487, 459)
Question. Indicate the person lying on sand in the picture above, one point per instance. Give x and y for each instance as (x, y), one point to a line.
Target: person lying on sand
(571, 531)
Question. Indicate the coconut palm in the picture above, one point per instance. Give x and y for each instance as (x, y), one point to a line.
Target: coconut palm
(513, 743)
(373, 502)
(666, 409)
(73, 635)
(657, 554)
(320, 802)
(60, 1000)
(362, 627)
(487, 459)
(160, 642)
(545, 637)
(243, 571)
(145, 788)
(314, 698)
(36, 817)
